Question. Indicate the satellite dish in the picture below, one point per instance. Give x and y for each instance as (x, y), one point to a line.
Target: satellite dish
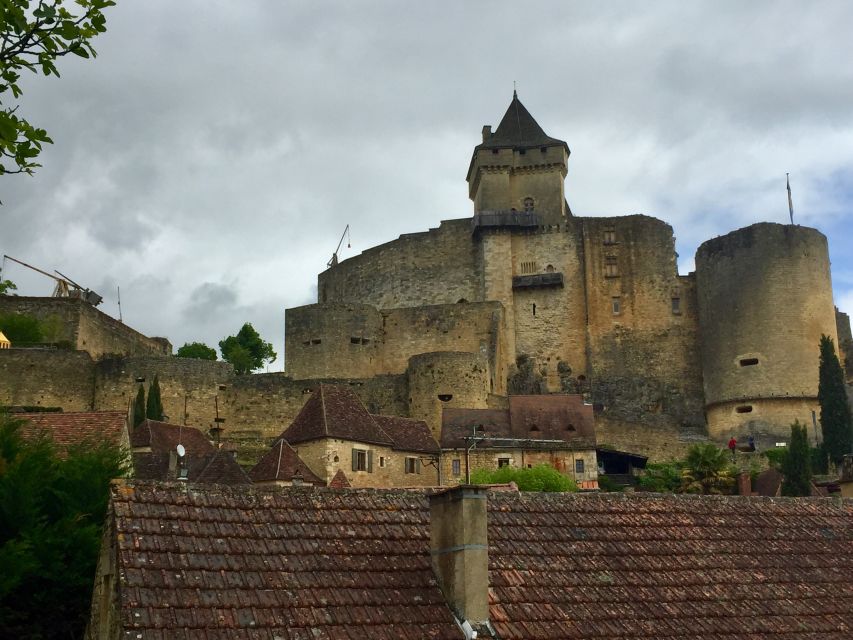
(181, 451)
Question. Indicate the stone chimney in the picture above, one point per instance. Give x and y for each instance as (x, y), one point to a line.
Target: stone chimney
(487, 132)
(460, 556)
(744, 484)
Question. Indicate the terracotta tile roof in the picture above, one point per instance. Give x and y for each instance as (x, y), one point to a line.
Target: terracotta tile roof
(218, 467)
(653, 566)
(408, 434)
(163, 437)
(339, 480)
(282, 462)
(70, 428)
(335, 412)
(769, 483)
(551, 417)
(248, 562)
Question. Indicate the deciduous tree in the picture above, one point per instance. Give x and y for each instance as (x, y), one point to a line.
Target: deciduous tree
(197, 350)
(835, 419)
(33, 36)
(246, 351)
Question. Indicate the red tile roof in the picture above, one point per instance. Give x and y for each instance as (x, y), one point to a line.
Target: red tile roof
(218, 467)
(254, 562)
(653, 566)
(335, 411)
(66, 429)
(553, 417)
(339, 480)
(163, 437)
(408, 434)
(282, 462)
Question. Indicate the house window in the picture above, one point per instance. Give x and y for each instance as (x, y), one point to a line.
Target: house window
(503, 462)
(616, 303)
(528, 205)
(362, 460)
(609, 236)
(579, 466)
(382, 461)
(611, 267)
(676, 305)
(456, 467)
(413, 465)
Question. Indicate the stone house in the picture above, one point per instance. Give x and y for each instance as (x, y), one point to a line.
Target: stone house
(281, 466)
(210, 561)
(558, 430)
(335, 433)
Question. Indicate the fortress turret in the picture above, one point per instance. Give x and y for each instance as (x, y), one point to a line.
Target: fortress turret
(765, 298)
(519, 167)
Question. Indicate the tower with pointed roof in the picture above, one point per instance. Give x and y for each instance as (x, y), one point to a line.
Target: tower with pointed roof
(518, 167)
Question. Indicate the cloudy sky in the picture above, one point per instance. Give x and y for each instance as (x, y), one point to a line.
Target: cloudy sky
(208, 160)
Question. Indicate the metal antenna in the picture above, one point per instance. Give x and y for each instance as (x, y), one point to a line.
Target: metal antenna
(118, 291)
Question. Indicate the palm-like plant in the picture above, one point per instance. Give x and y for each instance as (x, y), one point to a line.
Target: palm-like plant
(707, 470)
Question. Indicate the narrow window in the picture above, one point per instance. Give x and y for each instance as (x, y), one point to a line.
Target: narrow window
(749, 362)
(611, 267)
(617, 305)
(316, 341)
(503, 462)
(355, 340)
(534, 308)
(747, 408)
(609, 236)
(521, 152)
(676, 305)
(381, 462)
(494, 152)
(578, 466)
(456, 466)
(528, 205)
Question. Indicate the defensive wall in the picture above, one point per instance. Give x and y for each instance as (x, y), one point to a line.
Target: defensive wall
(765, 299)
(73, 321)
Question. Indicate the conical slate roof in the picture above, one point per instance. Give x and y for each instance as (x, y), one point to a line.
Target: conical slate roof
(518, 129)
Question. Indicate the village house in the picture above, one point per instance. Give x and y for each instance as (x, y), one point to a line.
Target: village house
(209, 561)
(557, 430)
(335, 433)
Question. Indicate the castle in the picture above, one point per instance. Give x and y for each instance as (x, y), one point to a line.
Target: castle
(524, 297)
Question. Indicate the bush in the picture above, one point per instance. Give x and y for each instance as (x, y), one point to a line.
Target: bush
(607, 484)
(21, 329)
(542, 477)
(662, 477)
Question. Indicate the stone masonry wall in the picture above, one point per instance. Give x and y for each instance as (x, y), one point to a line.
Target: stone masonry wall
(563, 461)
(47, 378)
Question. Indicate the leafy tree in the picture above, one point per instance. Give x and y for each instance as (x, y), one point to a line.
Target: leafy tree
(6, 286)
(34, 36)
(835, 418)
(707, 470)
(662, 477)
(139, 407)
(20, 328)
(246, 351)
(796, 465)
(197, 350)
(52, 508)
(154, 406)
(542, 477)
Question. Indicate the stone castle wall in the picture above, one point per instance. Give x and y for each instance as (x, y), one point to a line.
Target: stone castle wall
(74, 321)
(47, 378)
(765, 299)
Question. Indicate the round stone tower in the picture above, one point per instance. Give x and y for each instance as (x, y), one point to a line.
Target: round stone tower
(765, 298)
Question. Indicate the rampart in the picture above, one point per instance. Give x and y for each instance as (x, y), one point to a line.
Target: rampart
(78, 323)
(47, 378)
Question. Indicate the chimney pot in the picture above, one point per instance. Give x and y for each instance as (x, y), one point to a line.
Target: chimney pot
(487, 132)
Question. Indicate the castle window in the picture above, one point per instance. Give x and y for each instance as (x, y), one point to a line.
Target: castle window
(365, 341)
(534, 308)
(307, 343)
(528, 205)
(749, 362)
(445, 397)
(549, 268)
(676, 306)
(521, 152)
(494, 152)
(413, 465)
(543, 149)
(611, 267)
(355, 340)
(610, 236)
(570, 427)
(503, 462)
(316, 341)
(744, 409)
(529, 267)
(456, 467)
(616, 302)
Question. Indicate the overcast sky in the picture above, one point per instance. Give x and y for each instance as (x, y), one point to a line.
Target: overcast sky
(209, 159)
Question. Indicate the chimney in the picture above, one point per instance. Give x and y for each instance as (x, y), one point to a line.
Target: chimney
(460, 556)
(173, 465)
(487, 132)
(744, 484)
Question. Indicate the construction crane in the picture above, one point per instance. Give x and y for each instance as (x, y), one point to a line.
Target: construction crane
(65, 287)
(334, 260)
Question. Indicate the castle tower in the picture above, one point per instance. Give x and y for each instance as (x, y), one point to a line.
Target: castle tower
(519, 167)
(765, 298)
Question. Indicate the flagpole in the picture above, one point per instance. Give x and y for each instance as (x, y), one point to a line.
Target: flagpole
(790, 202)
